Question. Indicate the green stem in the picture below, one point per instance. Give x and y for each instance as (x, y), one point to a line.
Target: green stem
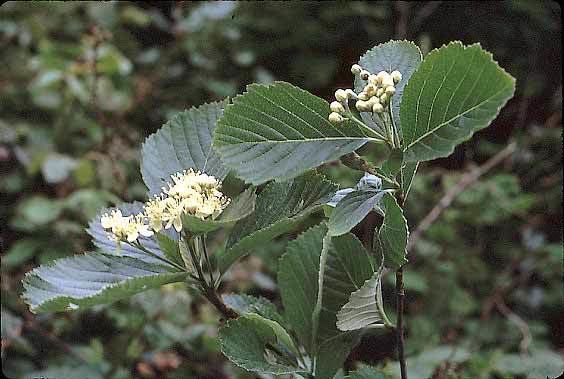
(364, 126)
(195, 261)
(389, 129)
(319, 303)
(208, 263)
(162, 259)
(394, 126)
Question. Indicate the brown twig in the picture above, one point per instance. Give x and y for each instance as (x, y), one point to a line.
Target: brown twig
(467, 180)
(519, 322)
(218, 303)
(400, 297)
(356, 162)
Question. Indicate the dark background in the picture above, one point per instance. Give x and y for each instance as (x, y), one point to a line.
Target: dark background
(82, 85)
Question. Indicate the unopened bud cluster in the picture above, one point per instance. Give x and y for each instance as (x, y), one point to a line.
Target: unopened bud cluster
(374, 97)
(190, 192)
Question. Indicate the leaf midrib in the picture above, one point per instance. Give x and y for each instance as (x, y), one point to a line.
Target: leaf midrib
(444, 123)
(309, 140)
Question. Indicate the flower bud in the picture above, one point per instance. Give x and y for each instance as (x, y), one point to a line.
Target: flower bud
(363, 106)
(340, 95)
(387, 80)
(377, 108)
(350, 94)
(373, 100)
(363, 96)
(380, 76)
(379, 91)
(390, 90)
(396, 76)
(373, 79)
(364, 75)
(370, 90)
(337, 107)
(335, 118)
(384, 98)
(356, 69)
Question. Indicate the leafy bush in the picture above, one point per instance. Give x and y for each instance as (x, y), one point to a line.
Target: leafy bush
(70, 150)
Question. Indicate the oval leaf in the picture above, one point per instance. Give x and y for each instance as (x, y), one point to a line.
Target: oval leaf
(393, 233)
(456, 91)
(352, 209)
(365, 307)
(248, 342)
(347, 267)
(279, 131)
(280, 207)
(91, 279)
(183, 142)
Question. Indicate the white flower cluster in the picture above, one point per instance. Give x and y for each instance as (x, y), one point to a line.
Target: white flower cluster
(191, 193)
(374, 97)
(125, 228)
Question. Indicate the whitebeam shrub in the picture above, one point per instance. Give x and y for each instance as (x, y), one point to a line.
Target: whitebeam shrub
(276, 135)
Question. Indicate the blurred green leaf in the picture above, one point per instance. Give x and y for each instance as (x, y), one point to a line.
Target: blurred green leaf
(19, 253)
(40, 210)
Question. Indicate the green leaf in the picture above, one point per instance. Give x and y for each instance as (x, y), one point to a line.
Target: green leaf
(393, 164)
(280, 207)
(352, 209)
(393, 233)
(19, 253)
(170, 248)
(407, 175)
(279, 131)
(249, 304)
(346, 268)
(403, 56)
(539, 364)
(281, 333)
(365, 307)
(90, 279)
(456, 91)
(183, 142)
(250, 341)
(366, 372)
(67, 372)
(40, 210)
(57, 167)
(423, 365)
(238, 209)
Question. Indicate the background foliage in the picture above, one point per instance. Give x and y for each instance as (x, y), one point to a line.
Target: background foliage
(84, 83)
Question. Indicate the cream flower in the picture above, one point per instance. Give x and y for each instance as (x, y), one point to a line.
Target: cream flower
(125, 228)
(190, 193)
